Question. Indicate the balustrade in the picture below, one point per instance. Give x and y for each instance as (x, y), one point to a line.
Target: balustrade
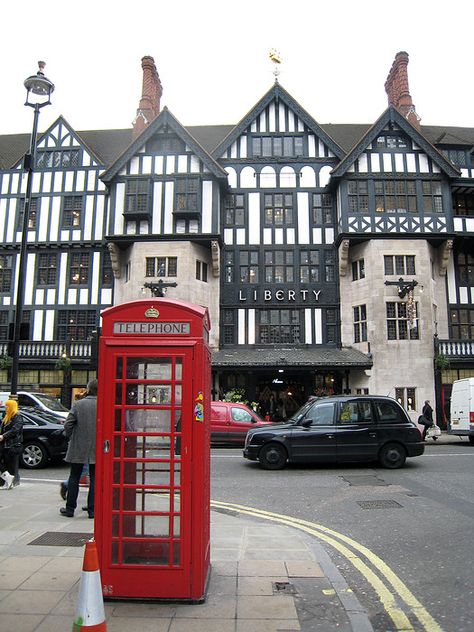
(456, 348)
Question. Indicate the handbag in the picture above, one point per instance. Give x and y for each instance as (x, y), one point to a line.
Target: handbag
(424, 421)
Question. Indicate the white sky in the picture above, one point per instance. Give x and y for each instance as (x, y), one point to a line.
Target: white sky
(212, 58)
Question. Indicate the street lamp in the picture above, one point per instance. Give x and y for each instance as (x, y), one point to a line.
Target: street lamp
(42, 88)
(404, 287)
(158, 288)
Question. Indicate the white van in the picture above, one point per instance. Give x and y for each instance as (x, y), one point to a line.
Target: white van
(45, 402)
(462, 408)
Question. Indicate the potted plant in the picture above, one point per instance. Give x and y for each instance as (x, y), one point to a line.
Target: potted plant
(5, 362)
(236, 395)
(441, 362)
(63, 364)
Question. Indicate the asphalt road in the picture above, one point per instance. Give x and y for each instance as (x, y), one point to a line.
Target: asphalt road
(424, 531)
(419, 520)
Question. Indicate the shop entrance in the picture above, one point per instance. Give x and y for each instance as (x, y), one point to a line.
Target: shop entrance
(278, 393)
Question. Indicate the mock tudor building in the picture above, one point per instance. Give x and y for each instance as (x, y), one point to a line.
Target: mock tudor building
(332, 258)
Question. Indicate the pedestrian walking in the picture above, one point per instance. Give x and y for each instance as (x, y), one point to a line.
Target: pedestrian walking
(84, 480)
(80, 428)
(427, 413)
(11, 439)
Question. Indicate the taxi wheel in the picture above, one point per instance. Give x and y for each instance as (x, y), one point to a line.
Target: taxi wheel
(273, 456)
(392, 456)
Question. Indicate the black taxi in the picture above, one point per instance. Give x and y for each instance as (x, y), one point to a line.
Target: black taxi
(338, 429)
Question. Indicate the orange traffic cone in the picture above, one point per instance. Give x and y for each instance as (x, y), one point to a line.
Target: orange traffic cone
(84, 480)
(90, 614)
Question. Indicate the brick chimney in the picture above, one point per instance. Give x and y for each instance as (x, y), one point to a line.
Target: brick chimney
(149, 106)
(398, 91)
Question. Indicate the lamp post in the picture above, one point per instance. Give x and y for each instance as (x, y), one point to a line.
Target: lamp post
(42, 87)
(158, 288)
(404, 287)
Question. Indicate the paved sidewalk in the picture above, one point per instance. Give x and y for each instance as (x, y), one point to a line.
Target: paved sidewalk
(446, 438)
(264, 577)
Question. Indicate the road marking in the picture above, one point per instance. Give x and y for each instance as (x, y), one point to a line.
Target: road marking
(355, 556)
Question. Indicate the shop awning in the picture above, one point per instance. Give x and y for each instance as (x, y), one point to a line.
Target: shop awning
(327, 357)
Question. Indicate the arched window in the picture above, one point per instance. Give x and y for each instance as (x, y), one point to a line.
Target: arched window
(287, 177)
(247, 178)
(268, 178)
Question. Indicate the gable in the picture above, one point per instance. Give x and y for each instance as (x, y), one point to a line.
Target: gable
(277, 127)
(164, 147)
(393, 151)
(61, 147)
(164, 153)
(393, 145)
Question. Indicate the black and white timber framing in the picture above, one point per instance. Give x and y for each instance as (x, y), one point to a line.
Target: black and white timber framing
(285, 228)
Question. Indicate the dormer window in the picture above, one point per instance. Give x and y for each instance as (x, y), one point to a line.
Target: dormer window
(390, 141)
(165, 145)
(56, 159)
(276, 146)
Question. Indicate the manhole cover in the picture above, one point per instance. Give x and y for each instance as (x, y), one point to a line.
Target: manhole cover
(61, 538)
(379, 504)
(283, 588)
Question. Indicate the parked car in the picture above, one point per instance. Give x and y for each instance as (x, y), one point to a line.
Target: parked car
(43, 439)
(230, 423)
(43, 401)
(338, 429)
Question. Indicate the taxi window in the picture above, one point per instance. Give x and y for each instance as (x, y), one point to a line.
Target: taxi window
(321, 414)
(355, 412)
(241, 415)
(389, 412)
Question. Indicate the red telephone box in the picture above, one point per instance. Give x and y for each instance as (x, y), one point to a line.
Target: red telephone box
(152, 511)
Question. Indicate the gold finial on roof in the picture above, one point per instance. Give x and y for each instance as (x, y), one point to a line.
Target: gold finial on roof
(275, 58)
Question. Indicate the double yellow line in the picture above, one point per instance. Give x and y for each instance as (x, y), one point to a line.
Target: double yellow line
(388, 586)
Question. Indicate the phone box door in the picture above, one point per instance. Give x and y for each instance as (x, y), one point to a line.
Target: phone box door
(152, 418)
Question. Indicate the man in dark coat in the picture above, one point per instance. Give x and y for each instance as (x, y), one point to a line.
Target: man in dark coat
(80, 427)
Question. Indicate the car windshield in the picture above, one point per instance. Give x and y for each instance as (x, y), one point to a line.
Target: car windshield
(51, 402)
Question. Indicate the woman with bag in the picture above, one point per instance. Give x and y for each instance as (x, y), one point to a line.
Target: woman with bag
(11, 438)
(427, 413)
